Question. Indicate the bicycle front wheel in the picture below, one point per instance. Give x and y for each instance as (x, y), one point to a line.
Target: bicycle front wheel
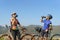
(55, 37)
(26, 37)
(5, 37)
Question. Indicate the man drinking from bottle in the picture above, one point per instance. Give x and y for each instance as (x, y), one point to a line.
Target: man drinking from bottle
(47, 26)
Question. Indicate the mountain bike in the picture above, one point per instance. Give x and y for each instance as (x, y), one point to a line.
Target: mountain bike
(38, 36)
(24, 36)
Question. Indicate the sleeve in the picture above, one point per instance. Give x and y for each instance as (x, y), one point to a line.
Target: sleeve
(44, 20)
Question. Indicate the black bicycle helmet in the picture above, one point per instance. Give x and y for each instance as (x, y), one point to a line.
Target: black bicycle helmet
(50, 16)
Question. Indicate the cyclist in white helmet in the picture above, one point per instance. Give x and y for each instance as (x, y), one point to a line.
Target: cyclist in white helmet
(14, 28)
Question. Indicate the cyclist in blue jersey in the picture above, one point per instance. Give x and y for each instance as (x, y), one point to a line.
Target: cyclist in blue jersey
(47, 26)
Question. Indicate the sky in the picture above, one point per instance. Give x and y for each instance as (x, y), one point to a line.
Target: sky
(29, 11)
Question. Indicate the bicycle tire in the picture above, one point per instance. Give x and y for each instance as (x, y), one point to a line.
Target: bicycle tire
(37, 37)
(6, 35)
(55, 35)
(26, 35)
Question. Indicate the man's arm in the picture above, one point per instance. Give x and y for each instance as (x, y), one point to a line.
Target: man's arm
(41, 20)
(23, 29)
(50, 27)
(19, 25)
(11, 23)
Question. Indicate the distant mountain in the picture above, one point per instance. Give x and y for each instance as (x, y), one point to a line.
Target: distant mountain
(31, 29)
(56, 29)
(3, 29)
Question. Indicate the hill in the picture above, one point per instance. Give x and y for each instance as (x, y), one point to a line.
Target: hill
(30, 29)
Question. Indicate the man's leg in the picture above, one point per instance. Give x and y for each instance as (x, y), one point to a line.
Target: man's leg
(13, 34)
(46, 36)
(18, 35)
(42, 35)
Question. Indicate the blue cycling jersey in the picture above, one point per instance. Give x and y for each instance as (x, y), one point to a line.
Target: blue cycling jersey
(46, 24)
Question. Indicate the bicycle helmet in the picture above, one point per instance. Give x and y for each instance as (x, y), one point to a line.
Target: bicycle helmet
(14, 13)
(50, 16)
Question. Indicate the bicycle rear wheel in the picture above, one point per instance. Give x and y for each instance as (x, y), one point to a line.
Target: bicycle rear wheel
(26, 37)
(55, 37)
(5, 37)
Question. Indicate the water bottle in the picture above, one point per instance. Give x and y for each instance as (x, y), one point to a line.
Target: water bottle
(43, 16)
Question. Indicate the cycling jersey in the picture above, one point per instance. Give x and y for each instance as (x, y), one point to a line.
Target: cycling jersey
(14, 23)
(46, 24)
